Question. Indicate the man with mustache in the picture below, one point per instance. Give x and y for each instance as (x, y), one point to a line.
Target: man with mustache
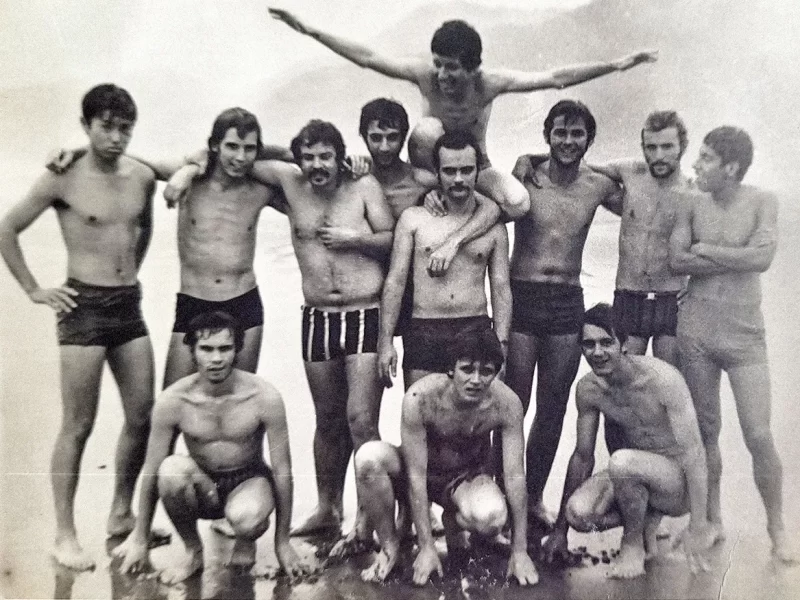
(458, 94)
(341, 233)
(443, 306)
(724, 240)
(545, 281)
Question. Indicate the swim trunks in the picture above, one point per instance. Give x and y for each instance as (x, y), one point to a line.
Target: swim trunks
(107, 316)
(227, 481)
(474, 452)
(716, 335)
(246, 309)
(646, 314)
(327, 334)
(546, 308)
(426, 341)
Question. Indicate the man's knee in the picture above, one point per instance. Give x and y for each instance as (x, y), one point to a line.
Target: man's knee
(77, 430)
(623, 464)
(373, 460)
(580, 514)
(421, 142)
(760, 442)
(174, 475)
(248, 514)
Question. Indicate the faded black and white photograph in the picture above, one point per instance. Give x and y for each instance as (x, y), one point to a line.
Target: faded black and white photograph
(432, 299)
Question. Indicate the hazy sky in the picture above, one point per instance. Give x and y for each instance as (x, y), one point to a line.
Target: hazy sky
(44, 40)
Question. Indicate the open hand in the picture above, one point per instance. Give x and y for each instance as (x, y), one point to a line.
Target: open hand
(59, 298)
(289, 19)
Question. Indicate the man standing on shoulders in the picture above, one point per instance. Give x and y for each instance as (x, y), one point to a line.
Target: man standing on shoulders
(662, 472)
(545, 281)
(104, 209)
(723, 240)
(446, 305)
(457, 93)
(224, 414)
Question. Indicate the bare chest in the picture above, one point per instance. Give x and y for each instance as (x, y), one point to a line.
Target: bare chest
(309, 216)
(724, 226)
(221, 214)
(209, 422)
(562, 211)
(102, 202)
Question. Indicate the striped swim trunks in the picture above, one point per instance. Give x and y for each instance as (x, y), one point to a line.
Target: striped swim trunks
(327, 335)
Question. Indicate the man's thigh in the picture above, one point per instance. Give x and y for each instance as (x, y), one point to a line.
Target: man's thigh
(662, 476)
(81, 370)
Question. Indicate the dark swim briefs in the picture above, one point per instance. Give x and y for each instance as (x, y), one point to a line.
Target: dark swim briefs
(426, 341)
(646, 314)
(327, 334)
(546, 308)
(227, 481)
(246, 309)
(107, 316)
(442, 486)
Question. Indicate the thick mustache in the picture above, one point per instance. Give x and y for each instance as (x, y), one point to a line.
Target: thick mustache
(318, 172)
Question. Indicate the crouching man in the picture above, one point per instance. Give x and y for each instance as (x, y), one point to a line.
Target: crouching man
(445, 457)
(661, 472)
(223, 414)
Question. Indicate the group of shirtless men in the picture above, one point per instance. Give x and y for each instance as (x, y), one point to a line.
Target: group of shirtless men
(405, 251)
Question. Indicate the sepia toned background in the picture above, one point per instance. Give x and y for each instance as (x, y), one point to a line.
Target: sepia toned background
(720, 62)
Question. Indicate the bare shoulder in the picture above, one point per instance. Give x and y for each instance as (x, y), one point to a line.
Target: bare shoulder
(595, 180)
(169, 402)
(661, 374)
(421, 396)
(367, 186)
(137, 170)
(507, 401)
(411, 217)
(760, 197)
(588, 391)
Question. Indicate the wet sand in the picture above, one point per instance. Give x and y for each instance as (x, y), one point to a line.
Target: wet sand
(30, 417)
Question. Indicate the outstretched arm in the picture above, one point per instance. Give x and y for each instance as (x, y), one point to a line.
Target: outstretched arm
(757, 254)
(407, 69)
(505, 81)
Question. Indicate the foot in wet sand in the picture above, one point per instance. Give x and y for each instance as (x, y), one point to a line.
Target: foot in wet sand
(223, 527)
(355, 542)
(243, 555)
(383, 563)
(781, 550)
(320, 522)
(68, 552)
(629, 564)
(191, 563)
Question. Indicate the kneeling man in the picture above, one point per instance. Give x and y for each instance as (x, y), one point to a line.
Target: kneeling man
(445, 457)
(662, 472)
(223, 414)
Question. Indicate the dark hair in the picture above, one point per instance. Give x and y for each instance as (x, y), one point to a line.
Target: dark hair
(241, 120)
(456, 139)
(732, 144)
(458, 39)
(571, 110)
(108, 97)
(213, 322)
(317, 131)
(664, 119)
(476, 343)
(388, 113)
(602, 315)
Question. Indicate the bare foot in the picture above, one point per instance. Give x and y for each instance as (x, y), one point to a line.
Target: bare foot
(319, 523)
(352, 544)
(191, 563)
(243, 555)
(652, 523)
(541, 518)
(437, 528)
(223, 527)
(629, 564)
(383, 563)
(68, 552)
(120, 525)
(781, 551)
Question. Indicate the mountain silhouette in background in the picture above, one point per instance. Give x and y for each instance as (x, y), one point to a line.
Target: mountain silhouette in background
(720, 62)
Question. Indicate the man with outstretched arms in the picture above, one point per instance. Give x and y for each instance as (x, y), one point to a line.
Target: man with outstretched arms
(446, 458)
(104, 209)
(545, 279)
(224, 414)
(443, 306)
(663, 470)
(342, 233)
(457, 93)
(723, 240)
